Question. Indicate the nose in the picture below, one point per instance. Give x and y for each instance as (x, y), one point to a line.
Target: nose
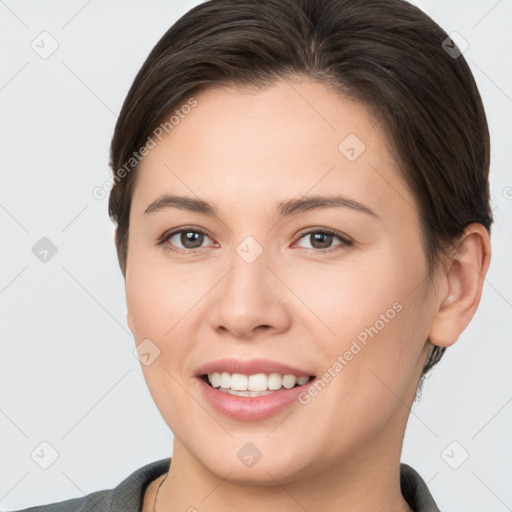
(250, 299)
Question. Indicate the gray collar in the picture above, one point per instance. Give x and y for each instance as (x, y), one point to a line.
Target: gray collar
(128, 495)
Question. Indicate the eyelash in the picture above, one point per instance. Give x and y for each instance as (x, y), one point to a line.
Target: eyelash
(346, 242)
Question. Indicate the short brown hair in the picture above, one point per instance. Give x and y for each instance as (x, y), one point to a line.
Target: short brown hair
(386, 53)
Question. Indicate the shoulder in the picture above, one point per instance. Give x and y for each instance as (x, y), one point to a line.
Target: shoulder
(415, 490)
(99, 501)
(126, 497)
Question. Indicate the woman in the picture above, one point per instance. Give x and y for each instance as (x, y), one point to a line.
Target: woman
(302, 207)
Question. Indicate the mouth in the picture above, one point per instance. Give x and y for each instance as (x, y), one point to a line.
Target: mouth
(254, 385)
(253, 396)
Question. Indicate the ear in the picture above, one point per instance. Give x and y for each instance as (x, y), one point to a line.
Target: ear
(115, 237)
(461, 285)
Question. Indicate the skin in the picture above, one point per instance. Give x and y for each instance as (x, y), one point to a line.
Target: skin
(245, 151)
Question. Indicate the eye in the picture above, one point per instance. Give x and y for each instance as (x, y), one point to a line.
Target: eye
(322, 238)
(190, 239)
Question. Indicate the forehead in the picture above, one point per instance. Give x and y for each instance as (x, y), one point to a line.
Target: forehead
(254, 147)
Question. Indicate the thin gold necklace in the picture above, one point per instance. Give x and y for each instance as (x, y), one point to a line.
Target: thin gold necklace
(156, 495)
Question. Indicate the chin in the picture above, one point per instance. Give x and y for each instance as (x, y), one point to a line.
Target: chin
(268, 467)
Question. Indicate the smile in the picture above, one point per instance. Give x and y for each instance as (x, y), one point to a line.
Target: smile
(259, 384)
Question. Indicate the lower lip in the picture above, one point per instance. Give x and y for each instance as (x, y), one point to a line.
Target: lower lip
(251, 408)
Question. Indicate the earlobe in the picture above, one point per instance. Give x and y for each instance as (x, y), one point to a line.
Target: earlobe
(463, 282)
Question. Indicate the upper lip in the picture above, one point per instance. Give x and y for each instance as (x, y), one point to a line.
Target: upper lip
(250, 367)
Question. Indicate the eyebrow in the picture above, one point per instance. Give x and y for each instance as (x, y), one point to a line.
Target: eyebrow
(284, 209)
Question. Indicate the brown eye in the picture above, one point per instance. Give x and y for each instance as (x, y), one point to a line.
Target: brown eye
(185, 240)
(189, 239)
(322, 239)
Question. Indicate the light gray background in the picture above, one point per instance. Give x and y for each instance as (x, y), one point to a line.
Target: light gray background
(68, 375)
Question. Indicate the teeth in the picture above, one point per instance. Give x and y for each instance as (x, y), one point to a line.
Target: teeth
(247, 393)
(214, 379)
(258, 383)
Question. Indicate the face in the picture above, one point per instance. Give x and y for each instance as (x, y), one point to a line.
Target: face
(335, 290)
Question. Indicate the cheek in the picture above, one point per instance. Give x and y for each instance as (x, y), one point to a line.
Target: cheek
(164, 307)
(351, 295)
(368, 371)
(378, 321)
(158, 297)
(158, 306)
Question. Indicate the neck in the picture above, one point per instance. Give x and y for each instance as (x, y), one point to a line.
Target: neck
(365, 481)
(367, 477)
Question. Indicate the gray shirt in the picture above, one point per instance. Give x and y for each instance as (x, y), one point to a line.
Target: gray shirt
(128, 495)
